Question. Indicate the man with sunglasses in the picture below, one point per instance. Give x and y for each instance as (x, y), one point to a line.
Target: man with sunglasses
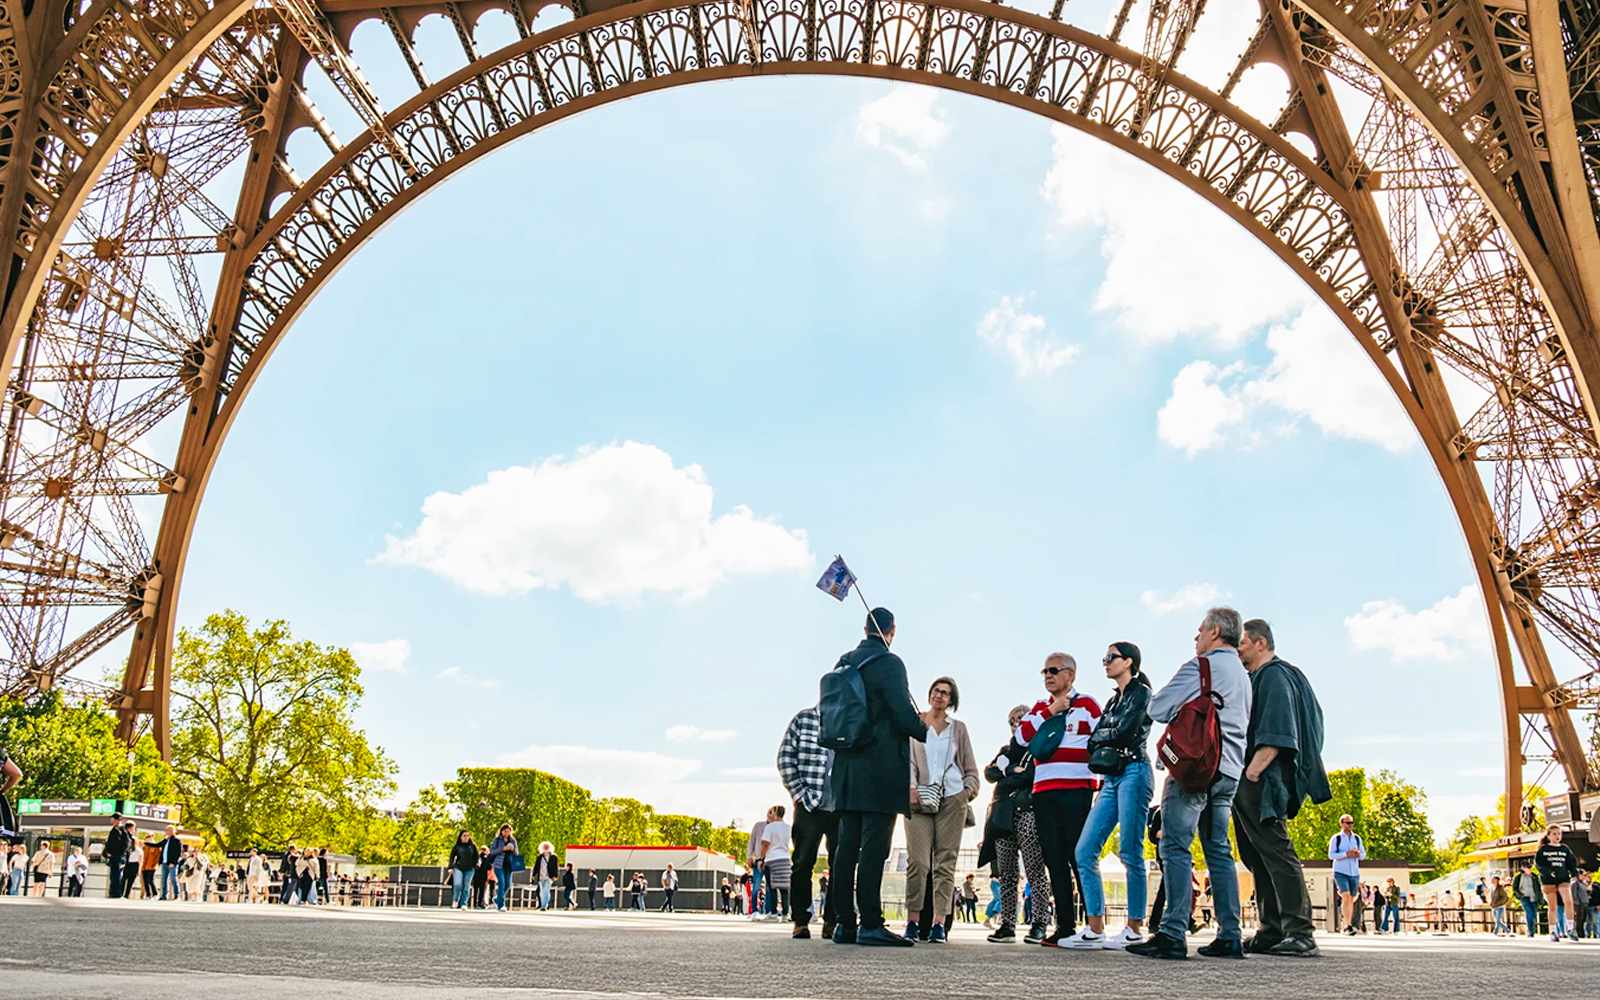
(1063, 785)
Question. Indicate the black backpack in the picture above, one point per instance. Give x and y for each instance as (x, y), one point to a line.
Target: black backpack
(846, 723)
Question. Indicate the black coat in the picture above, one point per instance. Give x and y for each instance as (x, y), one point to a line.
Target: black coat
(464, 856)
(116, 847)
(877, 777)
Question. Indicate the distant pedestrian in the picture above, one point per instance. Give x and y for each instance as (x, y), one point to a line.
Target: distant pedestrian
(1208, 811)
(463, 867)
(609, 890)
(1528, 892)
(594, 884)
(170, 854)
(133, 868)
(969, 899)
(288, 874)
(256, 877)
(547, 869)
(43, 866)
(669, 887)
(1394, 899)
(569, 888)
(480, 879)
(775, 860)
(1499, 899)
(77, 872)
(114, 852)
(1346, 851)
(1558, 867)
(507, 861)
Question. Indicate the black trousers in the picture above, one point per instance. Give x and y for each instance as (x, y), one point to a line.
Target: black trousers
(1282, 907)
(1061, 814)
(857, 880)
(810, 828)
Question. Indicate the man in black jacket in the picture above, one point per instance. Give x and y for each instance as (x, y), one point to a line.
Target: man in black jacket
(1283, 766)
(871, 786)
(113, 854)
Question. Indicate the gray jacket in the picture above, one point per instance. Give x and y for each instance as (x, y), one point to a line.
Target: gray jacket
(1232, 683)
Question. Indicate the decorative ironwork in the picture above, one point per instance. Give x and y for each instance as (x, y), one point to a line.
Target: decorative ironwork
(1444, 233)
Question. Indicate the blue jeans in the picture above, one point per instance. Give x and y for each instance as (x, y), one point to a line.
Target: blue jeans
(1500, 920)
(1124, 804)
(502, 886)
(544, 894)
(462, 887)
(1391, 918)
(755, 892)
(17, 876)
(1530, 909)
(169, 877)
(1182, 815)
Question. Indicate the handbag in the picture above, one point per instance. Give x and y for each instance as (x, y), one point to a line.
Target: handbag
(932, 794)
(1047, 739)
(1108, 760)
(515, 863)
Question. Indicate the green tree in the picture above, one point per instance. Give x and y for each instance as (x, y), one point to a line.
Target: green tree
(1395, 821)
(426, 830)
(619, 821)
(536, 804)
(69, 749)
(264, 749)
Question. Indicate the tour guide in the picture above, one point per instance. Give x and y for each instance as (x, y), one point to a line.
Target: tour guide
(869, 787)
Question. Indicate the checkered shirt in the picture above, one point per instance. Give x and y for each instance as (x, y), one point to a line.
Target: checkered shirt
(802, 762)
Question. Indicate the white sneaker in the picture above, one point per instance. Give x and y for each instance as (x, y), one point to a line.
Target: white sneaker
(1121, 939)
(1084, 939)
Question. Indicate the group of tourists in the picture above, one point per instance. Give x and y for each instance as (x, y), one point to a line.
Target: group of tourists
(1243, 743)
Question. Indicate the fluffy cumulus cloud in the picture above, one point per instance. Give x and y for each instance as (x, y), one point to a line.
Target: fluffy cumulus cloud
(1190, 598)
(1451, 629)
(1175, 264)
(389, 656)
(1023, 338)
(1317, 372)
(612, 524)
(905, 122)
(694, 734)
(600, 768)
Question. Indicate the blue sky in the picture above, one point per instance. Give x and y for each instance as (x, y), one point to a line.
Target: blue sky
(564, 448)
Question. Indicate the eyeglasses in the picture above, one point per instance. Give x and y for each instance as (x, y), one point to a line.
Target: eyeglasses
(1109, 659)
(942, 692)
(1051, 671)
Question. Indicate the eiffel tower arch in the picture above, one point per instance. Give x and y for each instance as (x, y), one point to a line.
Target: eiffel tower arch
(1453, 231)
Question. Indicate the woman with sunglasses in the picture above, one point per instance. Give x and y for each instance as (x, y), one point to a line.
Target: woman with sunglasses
(1117, 750)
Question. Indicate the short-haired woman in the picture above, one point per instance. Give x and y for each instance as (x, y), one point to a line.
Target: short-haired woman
(944, 780)
(1558, 866)
(1123, 802)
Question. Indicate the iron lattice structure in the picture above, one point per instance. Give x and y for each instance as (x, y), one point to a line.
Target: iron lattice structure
(165, 233)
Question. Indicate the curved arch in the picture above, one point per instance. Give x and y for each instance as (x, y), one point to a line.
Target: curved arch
(1316, 216)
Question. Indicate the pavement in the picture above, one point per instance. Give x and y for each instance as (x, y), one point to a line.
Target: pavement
(86, 948)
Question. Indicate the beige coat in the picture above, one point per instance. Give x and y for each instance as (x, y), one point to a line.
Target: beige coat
(964, 760)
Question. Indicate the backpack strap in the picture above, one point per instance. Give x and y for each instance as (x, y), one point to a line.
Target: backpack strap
(1205, 676)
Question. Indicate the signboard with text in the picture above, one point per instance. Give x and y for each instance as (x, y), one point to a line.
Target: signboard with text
(52, 807)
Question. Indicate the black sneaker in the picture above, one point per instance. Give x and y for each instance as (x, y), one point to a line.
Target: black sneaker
(1036, 934)
(1259, 944)
(1222, 948)
(911, 930)
(882, 937)
(801, 932)
(843, 934)
(1295, 948)
(1160, 946)
(1005, 935)
(827, 928)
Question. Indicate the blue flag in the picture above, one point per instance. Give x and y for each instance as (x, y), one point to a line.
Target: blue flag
(837, 579)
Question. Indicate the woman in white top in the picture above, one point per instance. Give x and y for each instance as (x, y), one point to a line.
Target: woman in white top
(944, 779)
(194, 876)
(256, 877)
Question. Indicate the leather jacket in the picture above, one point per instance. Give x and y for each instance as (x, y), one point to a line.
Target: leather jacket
(1011, 773)
(1125, 722)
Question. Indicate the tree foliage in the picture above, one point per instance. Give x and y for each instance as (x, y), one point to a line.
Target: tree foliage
(264, 750)
(536, 804)
(69, 749)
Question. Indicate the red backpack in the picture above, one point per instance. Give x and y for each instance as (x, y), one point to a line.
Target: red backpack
(1191, 748)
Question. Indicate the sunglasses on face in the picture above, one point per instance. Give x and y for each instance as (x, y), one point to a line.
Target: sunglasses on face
(1109, 659)
(1050, 671)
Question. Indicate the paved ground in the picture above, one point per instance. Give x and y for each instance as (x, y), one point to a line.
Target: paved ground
(75, 949)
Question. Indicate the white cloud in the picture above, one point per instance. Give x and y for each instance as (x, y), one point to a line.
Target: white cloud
(1200, 410)
(1189, 598)
(1317, 371)
(389, 656)
(611, 524)
(456, 674)
(1449, 630)
(905, 122)
(694, 734)
(1175, 264)
(1023, 337)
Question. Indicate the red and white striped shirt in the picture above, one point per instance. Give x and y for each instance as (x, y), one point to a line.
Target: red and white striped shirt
(1068, 767)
